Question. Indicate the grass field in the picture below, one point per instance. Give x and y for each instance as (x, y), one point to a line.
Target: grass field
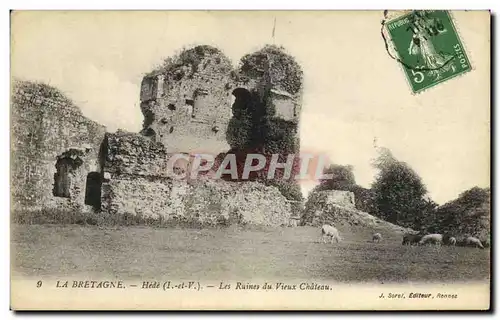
(232, 253)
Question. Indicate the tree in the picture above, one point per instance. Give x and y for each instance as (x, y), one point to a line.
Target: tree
(363, 198)
(342, 178)
(399, 193)
(469, 214)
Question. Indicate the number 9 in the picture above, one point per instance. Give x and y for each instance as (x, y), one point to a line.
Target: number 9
(417, 73)
(39, 284)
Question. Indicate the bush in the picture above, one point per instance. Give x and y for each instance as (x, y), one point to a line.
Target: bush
(289, 189)
(283, 67)
(192, 58)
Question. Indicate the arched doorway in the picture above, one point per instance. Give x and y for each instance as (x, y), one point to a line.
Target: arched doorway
(93, 190)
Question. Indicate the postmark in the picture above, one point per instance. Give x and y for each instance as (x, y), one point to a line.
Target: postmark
(428, 47)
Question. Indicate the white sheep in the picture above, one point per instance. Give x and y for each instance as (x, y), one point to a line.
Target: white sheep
(472, 241)
(377, 237)
(452, 241)
(330, 231)
(435, 238)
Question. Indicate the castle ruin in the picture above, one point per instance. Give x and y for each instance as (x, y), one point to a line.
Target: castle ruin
(63, 160)
(187, 102)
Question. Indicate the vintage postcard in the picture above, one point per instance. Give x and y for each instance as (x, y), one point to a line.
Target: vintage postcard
(250, 160)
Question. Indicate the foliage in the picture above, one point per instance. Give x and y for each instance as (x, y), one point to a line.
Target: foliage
(190, 58)
(284, 69)
(469, 214)
(254, 129)
(238, 132)
(278, 136)
(363, 198)
(399, 196)
(342, 178)
(288, 189)
(254, 126)
(400, 193)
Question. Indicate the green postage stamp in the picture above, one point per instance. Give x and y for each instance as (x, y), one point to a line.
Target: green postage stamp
(428, 48)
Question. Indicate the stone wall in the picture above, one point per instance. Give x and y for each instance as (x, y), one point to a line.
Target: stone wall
(131, 154)
(339, 197)
(207, 202)
(238, 202)
(138, 182)
(143, 196)
(44, 125)
(132, 167)
(189, 96)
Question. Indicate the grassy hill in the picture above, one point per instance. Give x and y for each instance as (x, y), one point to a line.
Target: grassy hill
(320, 209)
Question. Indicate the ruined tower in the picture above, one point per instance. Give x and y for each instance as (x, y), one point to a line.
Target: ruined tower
(278, 78)
(187, 103)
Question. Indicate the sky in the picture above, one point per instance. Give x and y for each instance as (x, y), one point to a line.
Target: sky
(354, 93)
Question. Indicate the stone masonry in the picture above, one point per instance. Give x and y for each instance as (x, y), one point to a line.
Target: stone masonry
(61, 159)
(48, 130)
(187, 103)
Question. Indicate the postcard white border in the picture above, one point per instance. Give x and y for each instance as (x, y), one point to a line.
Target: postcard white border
(213, 5)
